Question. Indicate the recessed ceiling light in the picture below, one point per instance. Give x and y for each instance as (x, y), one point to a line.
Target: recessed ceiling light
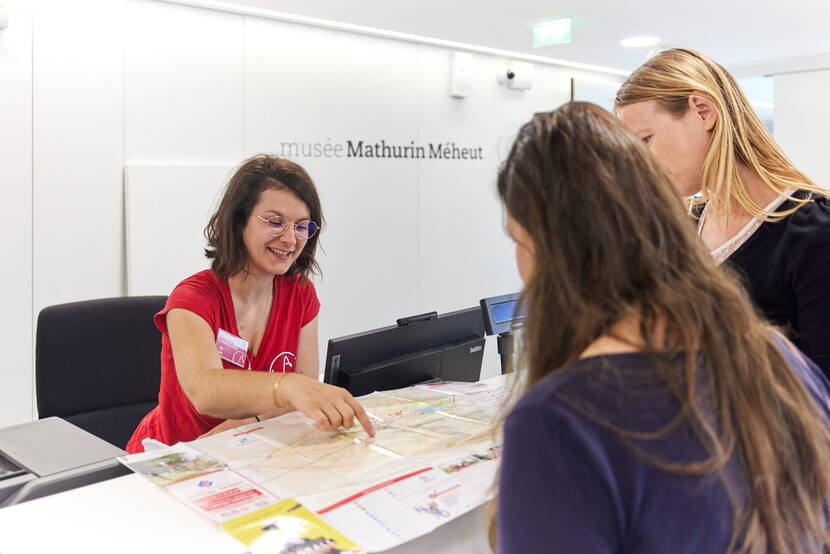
(548, 33)
(640, 42)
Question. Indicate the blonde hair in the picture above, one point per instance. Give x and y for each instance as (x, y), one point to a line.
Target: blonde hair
(738, 136)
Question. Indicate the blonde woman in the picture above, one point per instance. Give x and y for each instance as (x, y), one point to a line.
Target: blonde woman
(755, 211)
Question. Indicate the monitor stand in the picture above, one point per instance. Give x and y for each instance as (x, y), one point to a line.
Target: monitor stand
(505, 345)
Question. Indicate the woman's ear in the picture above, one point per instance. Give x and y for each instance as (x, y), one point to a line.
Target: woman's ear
(704, 110)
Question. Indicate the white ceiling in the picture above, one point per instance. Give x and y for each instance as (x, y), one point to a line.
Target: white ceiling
(750, 34)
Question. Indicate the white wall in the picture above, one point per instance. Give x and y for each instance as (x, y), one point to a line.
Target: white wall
(16, 218)
(599, 89)
(802, 117)
(321, 86)
(184, 84)
(165, 90)
(78, 153)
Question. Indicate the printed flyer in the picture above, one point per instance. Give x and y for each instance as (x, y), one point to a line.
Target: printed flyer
(221, 495)
(171, 464)
(287, 528)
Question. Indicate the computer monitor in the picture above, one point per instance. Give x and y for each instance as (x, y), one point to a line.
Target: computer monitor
(502, 314)
(418, 349)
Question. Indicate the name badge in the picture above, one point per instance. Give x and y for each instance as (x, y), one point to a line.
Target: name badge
(231, 348)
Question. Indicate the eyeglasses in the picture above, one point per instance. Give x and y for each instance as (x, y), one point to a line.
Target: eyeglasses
(277, 225)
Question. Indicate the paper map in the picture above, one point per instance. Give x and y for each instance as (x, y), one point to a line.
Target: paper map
(433, 458)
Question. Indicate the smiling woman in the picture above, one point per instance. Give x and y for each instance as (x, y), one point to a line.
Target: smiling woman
(251, 191)
(239, 341)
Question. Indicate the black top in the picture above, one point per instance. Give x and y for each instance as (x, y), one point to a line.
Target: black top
(785, 266)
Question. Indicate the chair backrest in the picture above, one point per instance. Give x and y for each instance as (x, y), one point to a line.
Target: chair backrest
(97, 364)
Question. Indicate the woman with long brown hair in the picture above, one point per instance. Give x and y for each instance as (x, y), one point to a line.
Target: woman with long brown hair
(659, 412)
(756, 211)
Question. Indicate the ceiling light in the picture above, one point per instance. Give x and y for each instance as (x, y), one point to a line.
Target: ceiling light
(548, 33)
(639, 42)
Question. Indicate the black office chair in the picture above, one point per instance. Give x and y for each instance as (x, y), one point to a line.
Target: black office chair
(97, 364)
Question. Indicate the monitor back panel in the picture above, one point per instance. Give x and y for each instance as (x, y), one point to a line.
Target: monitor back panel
(462, 362)
(457, 361)
(394, 374)
(390, 343)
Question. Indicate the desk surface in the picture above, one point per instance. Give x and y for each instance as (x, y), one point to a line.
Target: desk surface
(130, 514)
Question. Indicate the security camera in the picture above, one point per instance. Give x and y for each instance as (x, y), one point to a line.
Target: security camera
(516, 75)
(506, 74)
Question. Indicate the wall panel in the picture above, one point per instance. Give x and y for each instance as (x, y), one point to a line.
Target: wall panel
(78, 152)
(166, 211)
(465, 252)
(183, 85)
(173, 92)
(16, 218)
(801, 116)
(311, 86)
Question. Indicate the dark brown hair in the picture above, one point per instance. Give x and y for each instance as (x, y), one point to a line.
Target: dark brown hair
(224, 231)
(612, 240)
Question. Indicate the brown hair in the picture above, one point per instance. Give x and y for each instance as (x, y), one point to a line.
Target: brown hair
(738, 137)
(612, 239)
(224, 231)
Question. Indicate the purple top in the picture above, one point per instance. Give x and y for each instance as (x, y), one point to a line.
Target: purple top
(570, 484)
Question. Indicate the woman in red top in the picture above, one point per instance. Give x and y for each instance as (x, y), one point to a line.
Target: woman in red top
(239, 341)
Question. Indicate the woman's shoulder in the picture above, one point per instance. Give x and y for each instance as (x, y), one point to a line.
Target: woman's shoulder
(594, 399)
(807, 371)
(806, 231)
(603, 399)
(203, 279)
(200, 293)
(814, 214)
(204, 284)
(206, 276)
(298, 297)
(603, 382)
